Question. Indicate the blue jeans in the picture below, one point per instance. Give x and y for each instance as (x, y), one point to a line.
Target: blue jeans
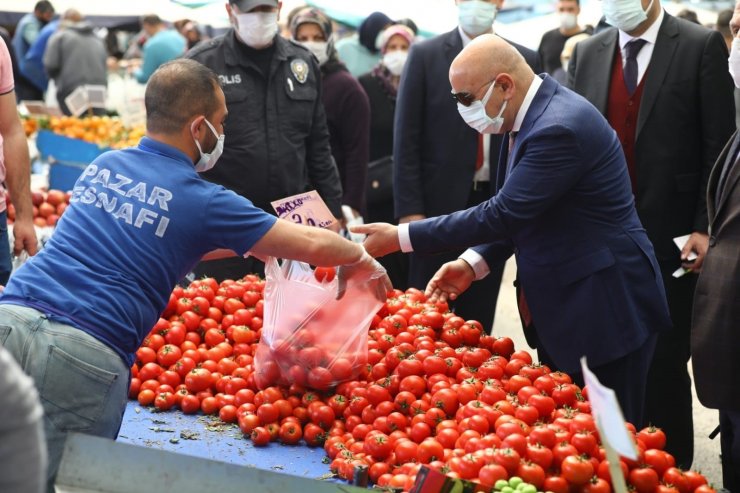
(82, 383)
(5, 251)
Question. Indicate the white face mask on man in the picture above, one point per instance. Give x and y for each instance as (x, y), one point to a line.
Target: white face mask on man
(208, 159)
(257, 29)
(625, 15)
(477, 117)
(568, 20)
(734, 61)
(476, 16)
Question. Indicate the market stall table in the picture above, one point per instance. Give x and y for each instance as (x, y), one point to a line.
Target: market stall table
(209, 438)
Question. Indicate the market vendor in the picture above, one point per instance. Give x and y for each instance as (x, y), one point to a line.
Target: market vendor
(139, 219)
(591, 284)
(15, 172)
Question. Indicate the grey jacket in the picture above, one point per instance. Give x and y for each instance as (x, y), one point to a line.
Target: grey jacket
(75, 56)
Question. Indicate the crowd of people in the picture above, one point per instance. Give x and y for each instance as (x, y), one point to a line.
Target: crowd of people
(584, 159)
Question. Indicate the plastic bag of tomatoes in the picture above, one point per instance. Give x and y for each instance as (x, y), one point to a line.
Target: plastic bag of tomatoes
(309, 337)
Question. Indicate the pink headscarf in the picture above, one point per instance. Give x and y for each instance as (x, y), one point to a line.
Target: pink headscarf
(396, 29)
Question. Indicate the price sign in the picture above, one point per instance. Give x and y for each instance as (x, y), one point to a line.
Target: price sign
(304, 208)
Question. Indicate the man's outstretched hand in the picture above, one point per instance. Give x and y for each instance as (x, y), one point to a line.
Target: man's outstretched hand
(451, 280)
(382, 238)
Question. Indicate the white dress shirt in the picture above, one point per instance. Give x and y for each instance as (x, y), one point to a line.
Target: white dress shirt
(646, 52)
(470, 256)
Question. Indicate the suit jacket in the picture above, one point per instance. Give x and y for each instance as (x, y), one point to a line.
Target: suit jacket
(714, 334)
(583, 259)
(686, 115)
(434, 150)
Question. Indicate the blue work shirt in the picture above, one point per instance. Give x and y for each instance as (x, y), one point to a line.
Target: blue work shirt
(138, 221)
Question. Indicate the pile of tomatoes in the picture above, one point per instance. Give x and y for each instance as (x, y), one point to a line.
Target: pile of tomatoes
(47, 207)
(436, 391)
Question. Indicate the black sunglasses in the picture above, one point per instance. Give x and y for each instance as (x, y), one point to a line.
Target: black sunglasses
(465, 98)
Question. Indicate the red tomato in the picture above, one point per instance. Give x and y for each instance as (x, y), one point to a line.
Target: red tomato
(378, 446)
(531, 473)
(197, 380)
(324, 274)
(644, 479)
(507, 458)
(576, 470)
(260, 436)
(290, 433)
(675, 476)
(652, 437)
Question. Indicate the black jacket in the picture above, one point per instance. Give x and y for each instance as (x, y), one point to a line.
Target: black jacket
(277, 141)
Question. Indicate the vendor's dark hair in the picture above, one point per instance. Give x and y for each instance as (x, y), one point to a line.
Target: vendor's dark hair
(43, 6)
(176, 92)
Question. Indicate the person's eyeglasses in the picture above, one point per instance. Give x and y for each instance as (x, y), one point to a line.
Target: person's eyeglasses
(465, 98)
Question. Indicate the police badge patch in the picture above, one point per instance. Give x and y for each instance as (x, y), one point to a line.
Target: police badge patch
(299, 68)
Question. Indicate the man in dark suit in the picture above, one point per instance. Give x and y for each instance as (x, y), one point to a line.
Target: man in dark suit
(662, 83)
(714, 335)
(565, 208)
(440, 164)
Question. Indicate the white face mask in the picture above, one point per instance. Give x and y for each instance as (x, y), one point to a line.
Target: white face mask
(568, 20)
(395, 60)
(320, 49)
(208, 160)
(625, 15)
(476, 116)
(734, 61)
(476, 16)
(257, 29)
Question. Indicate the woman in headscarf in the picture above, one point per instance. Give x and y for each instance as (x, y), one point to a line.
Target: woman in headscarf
(381, 86)
(346, 104)
(360, 51)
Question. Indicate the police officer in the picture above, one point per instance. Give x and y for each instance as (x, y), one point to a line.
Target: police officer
(278, 143)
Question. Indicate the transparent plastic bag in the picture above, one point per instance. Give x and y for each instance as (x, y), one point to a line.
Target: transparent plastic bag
(309, 337)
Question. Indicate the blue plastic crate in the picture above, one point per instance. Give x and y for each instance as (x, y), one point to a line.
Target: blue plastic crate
(67, 157)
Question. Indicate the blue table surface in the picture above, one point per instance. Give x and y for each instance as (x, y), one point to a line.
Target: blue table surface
(208, 437)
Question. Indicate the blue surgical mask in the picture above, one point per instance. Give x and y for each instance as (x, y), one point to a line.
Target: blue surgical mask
(625, 15)
(476, 16)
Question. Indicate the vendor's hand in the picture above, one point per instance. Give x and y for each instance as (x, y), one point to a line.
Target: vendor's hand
(24, 238)
(451, 280)
(411, 218)
(382, 238)
(699, 244)
(366, 265)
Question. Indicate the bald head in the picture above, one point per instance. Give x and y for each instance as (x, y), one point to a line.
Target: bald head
(72, 15)
(486, 59)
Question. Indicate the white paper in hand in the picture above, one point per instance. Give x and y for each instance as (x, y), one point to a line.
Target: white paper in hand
(608, 414)
(680, 242)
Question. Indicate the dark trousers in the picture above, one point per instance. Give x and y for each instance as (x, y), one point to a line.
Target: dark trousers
(669, 380)
(626, 376)
(729, 423)
(396, 264)
(479, 301)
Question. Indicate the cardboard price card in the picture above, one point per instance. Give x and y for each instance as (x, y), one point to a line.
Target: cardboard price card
(304, 208)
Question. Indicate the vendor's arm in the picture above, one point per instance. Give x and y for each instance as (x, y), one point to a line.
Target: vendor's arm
(316, 246)
(17, 174)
